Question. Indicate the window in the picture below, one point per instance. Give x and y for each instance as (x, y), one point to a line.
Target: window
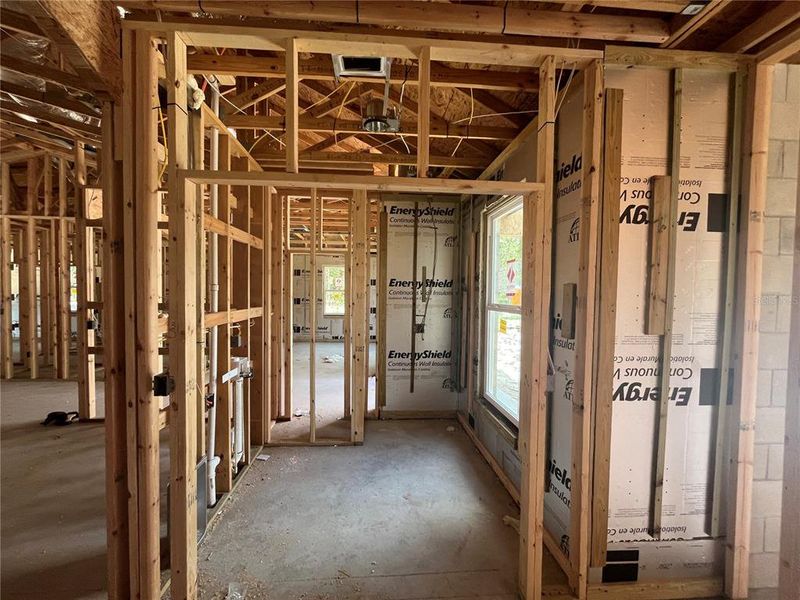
(333, 290)
(504, 309)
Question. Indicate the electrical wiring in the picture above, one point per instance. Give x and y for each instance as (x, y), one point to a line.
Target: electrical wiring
(471, 114)
(267, 133)
(166, 151)
(321, 100)
(500, 114)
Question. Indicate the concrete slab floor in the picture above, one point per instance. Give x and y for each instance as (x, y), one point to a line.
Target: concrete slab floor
(329, 376)
(52, 511)
(413, 513)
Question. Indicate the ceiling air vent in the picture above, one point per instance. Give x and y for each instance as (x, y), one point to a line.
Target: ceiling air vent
(360, 66)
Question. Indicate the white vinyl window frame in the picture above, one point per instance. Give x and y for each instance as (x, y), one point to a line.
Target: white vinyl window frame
(327, 290)
(493, 309)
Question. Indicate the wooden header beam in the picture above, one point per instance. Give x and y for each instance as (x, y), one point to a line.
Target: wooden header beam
(501, 20)
(361, 182)
(232, 34)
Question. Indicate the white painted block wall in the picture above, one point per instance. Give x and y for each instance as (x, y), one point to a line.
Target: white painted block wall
(774, 327)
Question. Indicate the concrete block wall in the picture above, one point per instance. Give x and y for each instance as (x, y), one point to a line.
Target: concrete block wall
(776, 302)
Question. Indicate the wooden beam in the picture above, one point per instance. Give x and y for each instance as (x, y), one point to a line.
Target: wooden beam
(117, 526)
(659, 251)
(330, 125)
(537, 244)
(685, 28)
(312, 301)
(292, 108)
(781, 15)
(375, 158)
(606, 324)
(54, 119)
(63, 276)
(48, 73)
(471, 18)
(630, 56)
(29, 343)
(88, 34)
(142, 253)
(781, 49)
(182, 209)
(316, 69)
(424, 112)
(585, 319)
(21, 23)
(273, 349)
(366, 182)
(258, 93)
(6, 358)
(224, 476)
(84, 264)
(359, 313)
(747, 315)
(669, 304)
(50, 98)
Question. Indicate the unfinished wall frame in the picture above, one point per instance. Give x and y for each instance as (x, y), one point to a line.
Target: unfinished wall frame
(238, 177)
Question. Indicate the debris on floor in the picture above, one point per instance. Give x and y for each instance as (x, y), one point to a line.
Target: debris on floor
(263, 457)
(236, 591)
(332, 358)
(450, 428)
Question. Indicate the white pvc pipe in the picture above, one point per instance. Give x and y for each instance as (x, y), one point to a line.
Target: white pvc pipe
(213, 277)
(238, 421)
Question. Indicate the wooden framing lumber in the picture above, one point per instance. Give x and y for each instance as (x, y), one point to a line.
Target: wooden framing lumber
(359, 314)
(224, 478)
(322, 70)
(6, 358)
(142, 329)
(674, 59)
(276, 306)
(50, 74)
(312, 306)
(747, 315)
(329, 125)
(695, 23)
(256, 94)
(64, 328)
(660, 252)
(308, 158)
(363, 182)
(424, 112)
(260, 273)
(117, 525)
(726, 345)
(780, 15)
(585, 317)
(84, 263)
(506, 20)
(27, 305)
(88, 34)
(287, 309)
(292, 108)
(182, 208)
(606, 324)
(669, 294)
(537, 244)
(782, 49)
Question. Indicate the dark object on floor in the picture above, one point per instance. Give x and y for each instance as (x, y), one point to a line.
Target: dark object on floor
(61, 418)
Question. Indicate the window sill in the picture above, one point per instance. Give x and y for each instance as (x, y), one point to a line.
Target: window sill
(504, 426)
